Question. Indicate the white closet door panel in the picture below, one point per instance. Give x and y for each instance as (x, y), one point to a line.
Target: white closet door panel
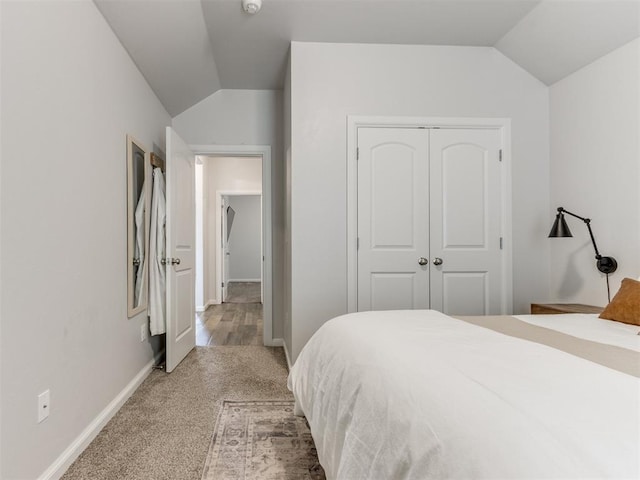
(392, 291)
(393, 218)
(464, 215)
(465, 221)
(465, 293)
(391, 196)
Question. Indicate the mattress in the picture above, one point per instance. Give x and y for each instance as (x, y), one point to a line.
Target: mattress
(420, 395)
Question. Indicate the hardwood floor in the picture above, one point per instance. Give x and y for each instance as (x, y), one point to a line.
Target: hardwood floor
(238, 321)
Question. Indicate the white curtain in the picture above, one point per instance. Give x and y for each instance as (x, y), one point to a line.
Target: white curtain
(157, 275)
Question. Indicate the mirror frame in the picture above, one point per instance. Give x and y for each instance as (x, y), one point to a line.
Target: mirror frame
(132, 202)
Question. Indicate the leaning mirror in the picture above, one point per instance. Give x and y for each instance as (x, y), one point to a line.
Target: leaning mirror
(137, 231)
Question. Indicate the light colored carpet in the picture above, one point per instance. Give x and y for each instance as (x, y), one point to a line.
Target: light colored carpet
(164, 430)
(262, 440)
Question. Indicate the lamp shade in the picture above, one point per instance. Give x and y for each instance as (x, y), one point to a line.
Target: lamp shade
(560, 227)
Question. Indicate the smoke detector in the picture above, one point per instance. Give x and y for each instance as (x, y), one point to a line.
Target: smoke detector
(251, 6)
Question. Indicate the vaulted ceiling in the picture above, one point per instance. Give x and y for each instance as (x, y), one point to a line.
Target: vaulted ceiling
(189, 49)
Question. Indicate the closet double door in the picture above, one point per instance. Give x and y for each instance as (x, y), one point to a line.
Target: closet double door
(429, 220)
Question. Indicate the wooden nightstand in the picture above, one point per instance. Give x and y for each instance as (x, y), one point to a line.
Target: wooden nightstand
(547, 308)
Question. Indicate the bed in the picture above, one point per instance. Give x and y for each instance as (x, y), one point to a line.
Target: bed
(421, 395)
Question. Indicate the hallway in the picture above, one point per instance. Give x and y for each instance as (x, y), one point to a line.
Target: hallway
(238, 321)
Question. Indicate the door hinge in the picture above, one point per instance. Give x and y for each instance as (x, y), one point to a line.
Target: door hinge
(500, 155)
(357, 153)
(500, 243)
(358, 243)
(222, 284)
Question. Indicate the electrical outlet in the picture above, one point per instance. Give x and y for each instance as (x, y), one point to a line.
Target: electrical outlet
(143, 332)
(44, 405)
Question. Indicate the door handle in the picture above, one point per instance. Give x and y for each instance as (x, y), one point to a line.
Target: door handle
(170, 261)
(437, 261)
(423, 261)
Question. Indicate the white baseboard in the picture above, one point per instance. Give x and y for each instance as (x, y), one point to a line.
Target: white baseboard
(207, 305)
(73, 451)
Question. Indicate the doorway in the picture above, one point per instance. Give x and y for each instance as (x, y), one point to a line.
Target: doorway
(241, 247)
(236, 182)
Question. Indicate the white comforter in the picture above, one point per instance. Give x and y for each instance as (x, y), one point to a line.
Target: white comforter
(419, 395)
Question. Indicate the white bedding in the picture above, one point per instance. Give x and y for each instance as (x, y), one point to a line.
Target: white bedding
(419, 395)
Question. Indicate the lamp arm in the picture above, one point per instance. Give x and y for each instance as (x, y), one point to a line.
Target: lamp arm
(598, 256)
(588, 222)
(562, 210)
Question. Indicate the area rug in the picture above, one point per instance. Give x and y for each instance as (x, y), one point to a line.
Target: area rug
(261, 440)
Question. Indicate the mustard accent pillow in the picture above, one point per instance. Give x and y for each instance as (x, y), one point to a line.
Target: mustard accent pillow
(625, 306)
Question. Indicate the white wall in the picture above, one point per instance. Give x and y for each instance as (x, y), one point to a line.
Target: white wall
(331, 81)
(1, 248)
(595, 173)
(246, 117)
(286, 294)
(245, 239)
(70, 94)
(226, 175)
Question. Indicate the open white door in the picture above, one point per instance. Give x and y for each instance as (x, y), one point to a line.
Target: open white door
(225, 248)
(180, 229)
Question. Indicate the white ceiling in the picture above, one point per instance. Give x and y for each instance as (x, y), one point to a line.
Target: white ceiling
(559, 37)
(169, 43)
(188, 49)
(251, 51)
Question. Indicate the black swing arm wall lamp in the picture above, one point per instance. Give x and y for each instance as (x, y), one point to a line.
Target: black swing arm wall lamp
(560, 228)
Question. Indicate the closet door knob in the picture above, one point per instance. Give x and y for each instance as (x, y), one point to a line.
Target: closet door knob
(423, 261)
(437, 261)
(170, 261)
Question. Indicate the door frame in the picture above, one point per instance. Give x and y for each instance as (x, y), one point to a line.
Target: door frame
(358, 121)
(219, 252)
(263, 151)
